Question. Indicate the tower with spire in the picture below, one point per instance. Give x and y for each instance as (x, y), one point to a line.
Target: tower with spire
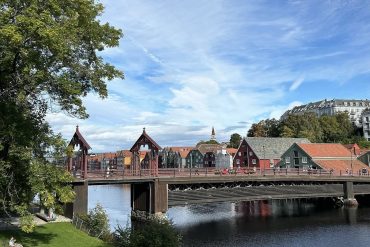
(213, 134)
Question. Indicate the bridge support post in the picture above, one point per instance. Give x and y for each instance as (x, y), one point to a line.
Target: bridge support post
(148, 198)
(349, 195)
(79, 205)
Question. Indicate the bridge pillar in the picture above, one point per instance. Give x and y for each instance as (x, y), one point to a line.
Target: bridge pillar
(349, 195)
(79, 205)
(149, 198)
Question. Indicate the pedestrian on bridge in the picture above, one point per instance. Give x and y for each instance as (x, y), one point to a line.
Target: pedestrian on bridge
(107, 174)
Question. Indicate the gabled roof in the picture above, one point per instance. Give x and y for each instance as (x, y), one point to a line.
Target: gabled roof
(272, 147)
(183, 151)
(341, 165)
(354, 148)
(194, 150)
(100, 156)
(232, 151)
(364, 152)
(79, 139)
(146, 137)
(204, 148)
(325, 150)
(124, 153)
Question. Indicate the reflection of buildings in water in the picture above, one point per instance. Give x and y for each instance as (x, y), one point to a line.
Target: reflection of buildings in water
(233, 211)
(292, 207)
(254, 208)
(265, 208)
(289, 207)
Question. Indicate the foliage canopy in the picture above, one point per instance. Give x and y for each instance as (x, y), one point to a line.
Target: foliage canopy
(336, 128)
(48, 57)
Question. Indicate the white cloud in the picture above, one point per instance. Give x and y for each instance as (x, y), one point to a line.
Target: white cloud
(296, 83)
(190, 65)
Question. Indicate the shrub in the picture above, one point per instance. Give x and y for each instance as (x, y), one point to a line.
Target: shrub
(97, 222)
(153, 232)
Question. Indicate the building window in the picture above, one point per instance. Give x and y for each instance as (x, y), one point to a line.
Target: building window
(250, 153)
(296, 161)
(237, 161)
(240, 153)
(304, 159)
(254, 161)
(287, 160)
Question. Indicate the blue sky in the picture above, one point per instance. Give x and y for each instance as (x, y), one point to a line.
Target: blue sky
(190, 65)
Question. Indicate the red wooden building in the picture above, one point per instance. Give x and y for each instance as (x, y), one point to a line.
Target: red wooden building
(263, 152)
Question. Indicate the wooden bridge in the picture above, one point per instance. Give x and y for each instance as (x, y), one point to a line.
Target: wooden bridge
(155, 191)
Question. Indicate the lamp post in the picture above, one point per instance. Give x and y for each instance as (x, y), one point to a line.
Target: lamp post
(264, 156)
(352, 162)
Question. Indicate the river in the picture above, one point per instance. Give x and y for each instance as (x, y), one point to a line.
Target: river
(268, 223)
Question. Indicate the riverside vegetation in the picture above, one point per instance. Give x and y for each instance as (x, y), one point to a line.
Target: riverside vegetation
(154, 232)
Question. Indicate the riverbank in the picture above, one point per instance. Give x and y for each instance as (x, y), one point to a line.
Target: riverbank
(53, 235)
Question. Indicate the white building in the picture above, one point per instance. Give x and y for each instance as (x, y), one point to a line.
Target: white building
(366, 124)
(223, 159)
(330, 107)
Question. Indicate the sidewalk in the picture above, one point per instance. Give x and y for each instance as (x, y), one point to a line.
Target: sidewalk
(13, 222)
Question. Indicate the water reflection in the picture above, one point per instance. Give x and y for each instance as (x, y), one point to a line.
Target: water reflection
(116, 201)
(260, 223)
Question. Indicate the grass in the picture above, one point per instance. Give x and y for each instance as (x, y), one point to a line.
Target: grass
(52, 235)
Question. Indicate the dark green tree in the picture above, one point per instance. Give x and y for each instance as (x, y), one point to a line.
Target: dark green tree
(265, 128)
(48, 57)
(234, 140)
(258, 130)
(208, 142)
(304, 126)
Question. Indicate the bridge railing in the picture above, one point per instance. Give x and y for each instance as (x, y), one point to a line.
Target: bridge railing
(212, 171)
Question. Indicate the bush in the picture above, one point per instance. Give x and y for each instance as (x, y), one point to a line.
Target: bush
(153, 232)
(98, 223)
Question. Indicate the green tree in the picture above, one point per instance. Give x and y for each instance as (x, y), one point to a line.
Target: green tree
(257, 130)
(304, 126)
(265, 128)
(235, 140)
(273, 127)
(208, 142)
(330, 128)
(347, 129)
(48, 57)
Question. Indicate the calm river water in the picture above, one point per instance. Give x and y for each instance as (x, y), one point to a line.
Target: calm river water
(277, 223)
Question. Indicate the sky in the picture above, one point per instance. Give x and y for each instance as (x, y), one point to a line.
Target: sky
(190, 65)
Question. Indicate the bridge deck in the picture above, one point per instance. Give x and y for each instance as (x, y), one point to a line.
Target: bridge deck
(256, 193)
(211, 175)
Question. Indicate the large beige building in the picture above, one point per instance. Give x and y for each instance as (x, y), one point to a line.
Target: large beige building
(355, 109)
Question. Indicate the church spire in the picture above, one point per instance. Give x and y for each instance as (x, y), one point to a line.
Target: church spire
(213, 134)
